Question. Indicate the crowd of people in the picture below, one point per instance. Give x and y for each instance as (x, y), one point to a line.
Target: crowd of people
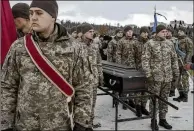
(33, 100)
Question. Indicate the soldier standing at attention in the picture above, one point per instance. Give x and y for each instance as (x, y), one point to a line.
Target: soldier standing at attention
(93, 56)
(125, 54)
(45, 85)
(174, 41)
(112, 45)
(185, 45)
(160, 64)
(138, 47)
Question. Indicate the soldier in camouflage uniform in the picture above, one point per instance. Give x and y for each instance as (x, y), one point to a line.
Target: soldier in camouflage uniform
(94, 61)
(125, 54)
(185, 44)
(29, 101)
(21, 14)
(138, 47)
(173, 40)
(112, 45)
(160, 65)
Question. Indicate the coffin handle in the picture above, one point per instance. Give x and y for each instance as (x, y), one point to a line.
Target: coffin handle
(112, 82)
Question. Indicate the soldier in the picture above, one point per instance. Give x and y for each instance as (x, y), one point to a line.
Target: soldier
(73, 32)
(125, 53)
(174, 41)
(160, 65)
(186, 46)
(94, 60)
(138, 47)
(112, 45)
(31, 98)
(21, 14)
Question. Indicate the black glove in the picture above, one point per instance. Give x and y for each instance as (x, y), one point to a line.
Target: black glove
(10, 129)
(78, 127)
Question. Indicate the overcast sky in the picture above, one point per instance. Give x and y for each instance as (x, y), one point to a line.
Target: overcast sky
(123, 12)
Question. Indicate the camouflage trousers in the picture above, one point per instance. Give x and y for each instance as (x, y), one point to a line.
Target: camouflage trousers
(173, 86)
(93, 103)
(141, 101)
(183, 85)
(161, 89)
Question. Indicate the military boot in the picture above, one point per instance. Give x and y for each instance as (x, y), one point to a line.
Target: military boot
(185, 97)
(144, 111)
(138, 111)
(179, 99)
(164, 124)
(156, 125)
(172, 93)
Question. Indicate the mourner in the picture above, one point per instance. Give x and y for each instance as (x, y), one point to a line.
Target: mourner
(138, 47)
(185, 45)
(125, 53)
(112, 45)
(92, 54)
(21, 14)
(160, 64)
(45, 83)
(174, 41)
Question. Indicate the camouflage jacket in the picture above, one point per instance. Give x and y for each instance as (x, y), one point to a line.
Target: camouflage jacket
(92, 54)
(29, 101)
(138, 47)
(125, 53)
(111, 50)
(159, 60)
(186, 46)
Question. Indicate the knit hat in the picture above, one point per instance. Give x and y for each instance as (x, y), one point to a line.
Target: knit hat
(170, 29)
(144, 29)
(117, 30)
(127, 28)
(86, 27)
(73, 29)
(182, 29)
(160, 28)
(21, 10)
(79, 29)
(50, 6)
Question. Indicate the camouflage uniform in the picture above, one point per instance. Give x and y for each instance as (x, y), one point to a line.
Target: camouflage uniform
(173, 44)
(94, 63)
(160, 65)
(125, 55)
(29, 101)
(111, 49)
(186, 46)
(138, 47)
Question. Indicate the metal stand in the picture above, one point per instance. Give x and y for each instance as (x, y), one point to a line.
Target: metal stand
(117, 100)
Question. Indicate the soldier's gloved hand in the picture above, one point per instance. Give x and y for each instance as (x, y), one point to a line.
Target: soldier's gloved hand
(10, 129)
(78, 127)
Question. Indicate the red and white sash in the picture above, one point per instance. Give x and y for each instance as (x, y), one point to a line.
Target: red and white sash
(47, 68)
